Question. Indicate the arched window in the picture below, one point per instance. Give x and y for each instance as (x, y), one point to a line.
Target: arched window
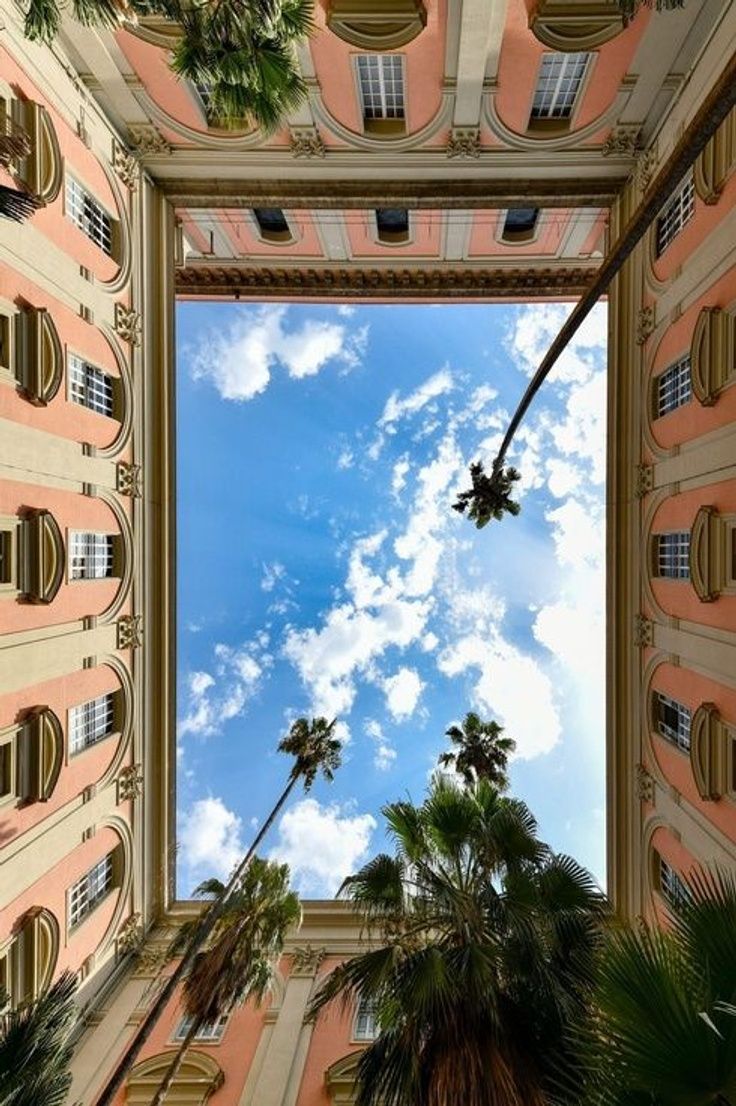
(196, 1081)
(272, 224)
(392, 225)
(28, 959)
(520, 224)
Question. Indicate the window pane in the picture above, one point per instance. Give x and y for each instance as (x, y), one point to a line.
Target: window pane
(271, 220)
(520, 220)
(89, 386)
(674, 386)
(91, 555)
(90, 722)
(88, 891)
(88, 215)
(559, 81)
(673, 721)
(381, 78)
(673, 555)
(392, 220)
(678, 210)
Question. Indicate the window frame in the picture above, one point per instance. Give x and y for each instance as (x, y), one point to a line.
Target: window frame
(677, 386)
(90, 905)
(364, 1010)
(76, 363)
(665, 232)
(10, 530)
(670, 884)
(392, 238)
(8, 339)
(547, 122)
(106, 218)
(84, 723)
(680, 735)
(212, 1038)
(111, 556)
(386, 126)
(273, 237)
(9, 743)
(660, 540)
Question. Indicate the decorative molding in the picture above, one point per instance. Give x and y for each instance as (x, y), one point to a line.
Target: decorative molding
(130, 935)
(420, 283)
(645, 323)
(151, 959)
(125, 165)
(643, 632)
(644, 784)
(568, 25)
(306, 960)
(645, 167)
(306, 142)
(130, 783)
(623, 141)
(128, 478)
(376, 25)
(147, 141)
(130, 631)
(464, 142)
(644, 480)
(712, 353)
(127, 324)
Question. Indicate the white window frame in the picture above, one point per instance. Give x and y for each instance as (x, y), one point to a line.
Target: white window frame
(210, 1033)
(557, 94)
(672, 555)
(678, 211)
(365, 1027)
(9, 752)
(679, 735)
(91, 555)
(85, 895)
(673, 387)
(672, 887)
(88, 215)
(89, 386)
(90, 722)
(378, 103)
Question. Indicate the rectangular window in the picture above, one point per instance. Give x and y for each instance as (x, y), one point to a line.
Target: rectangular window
(674, 387)
(673, 555)
(210, 1031)
(84, 895)
(7, 765)
(6, 345)
(676, 212)
(89, 386)
(91, 722)
(672, 886)
(381, 78)
(673, 721)
(91, 218)
(272, 223)
(558, 84)
(392, 224)
(91, 555)
(365, 1028)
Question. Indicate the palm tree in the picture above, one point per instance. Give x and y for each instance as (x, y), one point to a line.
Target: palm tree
(482, 752)
(16, 204)
(35, 1050)
(488, 496)
(629, 8)
(238, 962)
(663, 1031)
(484, 945)
(315, 751)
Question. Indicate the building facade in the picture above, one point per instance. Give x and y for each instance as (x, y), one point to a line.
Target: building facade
(481, 149)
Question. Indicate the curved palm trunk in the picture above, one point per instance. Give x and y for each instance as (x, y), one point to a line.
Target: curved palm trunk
(207, 923)
(707, 120)
(175, 1064)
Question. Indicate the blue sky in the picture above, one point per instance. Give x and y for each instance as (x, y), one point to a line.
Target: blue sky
(322, 570)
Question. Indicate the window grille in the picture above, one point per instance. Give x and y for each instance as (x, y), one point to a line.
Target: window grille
(673, 721)
(673, 555)
(210, 1031)
(365, 1028)
(558, 84)
(672, 885)
(381, 79)
(91, 555)
(90, 722)
(674, 387)
(676, 212)
(85, 212)
(89, 386)
(87, 892)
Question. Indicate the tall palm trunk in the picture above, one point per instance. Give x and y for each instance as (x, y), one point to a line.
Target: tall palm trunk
(175, 1064)
(202, 931)
(707, 120)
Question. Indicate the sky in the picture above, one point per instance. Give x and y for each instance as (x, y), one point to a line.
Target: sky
(322, 571)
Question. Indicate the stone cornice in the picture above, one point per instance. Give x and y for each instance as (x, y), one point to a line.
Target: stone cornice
(456, 282)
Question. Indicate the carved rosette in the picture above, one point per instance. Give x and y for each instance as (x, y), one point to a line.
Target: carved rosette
(125, 165)
(130, 935)
(128, 478)
(130, 783)
(644, 784)
(643, 631)
(127, 324)
(644, 482)
(306, 142)
(464, 142)
(130, 631)
(306, 960)
(147, 140)
(645, 323)
(623, 141)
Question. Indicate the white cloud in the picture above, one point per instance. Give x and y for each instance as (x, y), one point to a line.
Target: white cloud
(402, 692)
(272, 573)
(436, 385)
(322, 844)
(534, 329)
(346, 459)
(398, 478)
(240, 359)
(384, 754)
(210, 839)
(213, 700)
(346, 310)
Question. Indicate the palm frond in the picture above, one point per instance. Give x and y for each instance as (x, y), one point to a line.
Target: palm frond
(489, 496)
(35, 1049)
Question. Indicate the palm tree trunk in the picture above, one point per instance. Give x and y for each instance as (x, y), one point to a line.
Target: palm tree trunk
(707, 120)
(176, 1063)
(201, 933)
